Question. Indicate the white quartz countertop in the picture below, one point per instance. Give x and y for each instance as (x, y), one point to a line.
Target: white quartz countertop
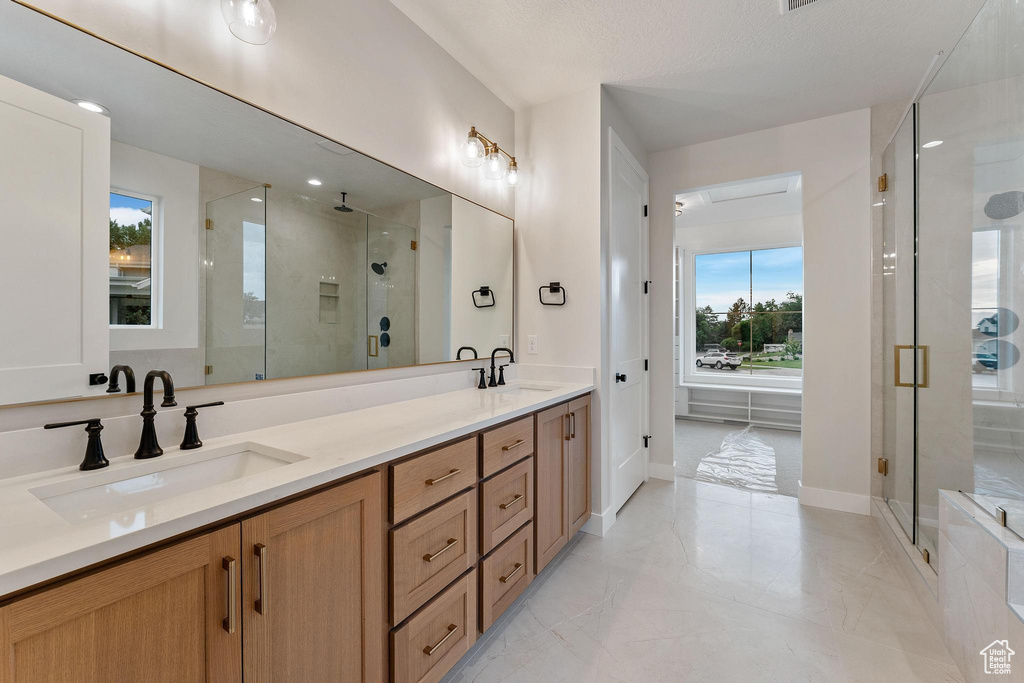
(38, 544)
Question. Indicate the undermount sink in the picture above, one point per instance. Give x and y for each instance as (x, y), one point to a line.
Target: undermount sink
(524, 386)
(150, 481)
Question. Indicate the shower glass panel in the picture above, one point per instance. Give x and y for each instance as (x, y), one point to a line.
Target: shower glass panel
(390, 293)
(970, 398)
(898, 287)
(236, 287)
(317, 295)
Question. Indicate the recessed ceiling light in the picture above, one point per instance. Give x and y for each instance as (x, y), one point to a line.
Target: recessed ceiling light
(933, 143)
(255, 199)
(314, 181)
(91, 106)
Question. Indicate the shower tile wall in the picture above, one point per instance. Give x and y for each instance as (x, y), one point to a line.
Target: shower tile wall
(400, 222)
(309, 243)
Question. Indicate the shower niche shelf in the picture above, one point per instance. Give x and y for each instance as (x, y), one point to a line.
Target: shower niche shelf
(329, 299)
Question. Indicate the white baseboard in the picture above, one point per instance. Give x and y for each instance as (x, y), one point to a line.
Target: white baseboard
(834, 500)
(599, 524)
(660, 470)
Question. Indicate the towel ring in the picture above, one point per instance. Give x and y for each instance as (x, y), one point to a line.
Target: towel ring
(484, 292)
(553, 288)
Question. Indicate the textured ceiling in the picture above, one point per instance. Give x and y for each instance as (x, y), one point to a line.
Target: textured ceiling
(687, 71)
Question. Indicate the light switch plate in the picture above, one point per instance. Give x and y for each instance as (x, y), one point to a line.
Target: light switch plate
(531, 344)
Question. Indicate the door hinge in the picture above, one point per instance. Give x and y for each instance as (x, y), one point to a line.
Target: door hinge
(208, 370)
(209, 224)
(883, 466)
(647, 440)
(925, 554)
(645, 211)
(647, 365)
(883, 182)
(412, 245)
(647, 286)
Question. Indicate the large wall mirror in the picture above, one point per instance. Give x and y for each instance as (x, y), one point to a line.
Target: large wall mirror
(178, 228)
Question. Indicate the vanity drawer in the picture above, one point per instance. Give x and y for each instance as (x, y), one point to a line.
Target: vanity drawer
(506, 444)
(421, 482)
(507, 502)
(430, 551)
(428, 646)
(505, 575)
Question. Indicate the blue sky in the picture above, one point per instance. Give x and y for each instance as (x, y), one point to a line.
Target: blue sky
(128, 210)
(723, 278)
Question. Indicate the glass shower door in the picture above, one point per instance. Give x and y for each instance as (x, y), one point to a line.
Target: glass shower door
(235, 310)
(898, 305)
(390, 294)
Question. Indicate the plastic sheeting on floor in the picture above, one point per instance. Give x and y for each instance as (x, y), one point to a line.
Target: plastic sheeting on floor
(743, 461)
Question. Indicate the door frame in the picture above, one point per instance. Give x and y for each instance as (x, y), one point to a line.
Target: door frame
(615, 144)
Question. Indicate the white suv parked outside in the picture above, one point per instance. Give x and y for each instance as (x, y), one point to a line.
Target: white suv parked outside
(719, 360)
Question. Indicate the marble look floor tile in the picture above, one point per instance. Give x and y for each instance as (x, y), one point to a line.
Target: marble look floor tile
(865, 661)
(698, 582)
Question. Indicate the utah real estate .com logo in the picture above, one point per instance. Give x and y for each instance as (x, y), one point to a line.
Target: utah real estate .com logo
(997, 657)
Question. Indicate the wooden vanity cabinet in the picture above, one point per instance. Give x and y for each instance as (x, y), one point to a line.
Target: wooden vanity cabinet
(562, 489)
(160, 618)
(313, 588)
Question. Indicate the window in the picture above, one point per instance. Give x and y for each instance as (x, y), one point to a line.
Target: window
(131, 260)
(254, 275)
(749, 312)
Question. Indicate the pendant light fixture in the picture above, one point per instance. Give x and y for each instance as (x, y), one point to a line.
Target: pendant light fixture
(252, 21)
(478, 150)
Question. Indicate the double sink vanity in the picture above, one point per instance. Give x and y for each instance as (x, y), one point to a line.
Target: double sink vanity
(373, 545)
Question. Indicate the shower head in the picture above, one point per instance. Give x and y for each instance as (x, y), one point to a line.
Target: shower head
(378, 267)
(343, 208)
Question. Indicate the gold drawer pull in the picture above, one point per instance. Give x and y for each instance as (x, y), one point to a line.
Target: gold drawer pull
(431, 649)
(515, 570)
(506, 506)
(228, 563)
(517, 444)
(431, 482)
(451, 544)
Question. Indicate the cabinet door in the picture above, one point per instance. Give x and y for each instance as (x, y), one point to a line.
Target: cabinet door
(55, 206)
(160, 618)
(312, 583)
(551, 518)
(578, 456)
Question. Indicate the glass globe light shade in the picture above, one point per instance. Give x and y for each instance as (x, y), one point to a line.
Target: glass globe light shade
(473, 152)
(494, 166)
(513, 175)
(253, 21)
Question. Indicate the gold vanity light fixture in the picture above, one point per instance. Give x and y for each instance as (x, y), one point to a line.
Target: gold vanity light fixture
(479, 150)
(252, 21)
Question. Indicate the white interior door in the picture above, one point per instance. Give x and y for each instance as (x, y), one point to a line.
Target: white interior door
(54, 210)
(627, 322)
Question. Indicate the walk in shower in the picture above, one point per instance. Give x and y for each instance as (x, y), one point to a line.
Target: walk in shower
(294, 286)
(952, 271)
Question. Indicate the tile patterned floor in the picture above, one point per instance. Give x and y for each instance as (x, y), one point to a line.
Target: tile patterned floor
(697, 582)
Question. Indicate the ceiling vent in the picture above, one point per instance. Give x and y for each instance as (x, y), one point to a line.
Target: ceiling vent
(788, 6)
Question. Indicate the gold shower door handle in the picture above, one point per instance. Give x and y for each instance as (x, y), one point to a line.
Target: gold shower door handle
(372, 342)
(898, 350)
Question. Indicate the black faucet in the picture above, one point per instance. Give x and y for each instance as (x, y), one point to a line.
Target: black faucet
(511, 359)
(458, 354)
(148, 445)
(483, 378)
(94, 458)
(192, 439)
(129, 378)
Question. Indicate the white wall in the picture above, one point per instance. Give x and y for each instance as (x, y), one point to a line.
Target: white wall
(558, 238)
(176, 184)
(435, 222)
(833, 154)
(358, 71)
(481, 247)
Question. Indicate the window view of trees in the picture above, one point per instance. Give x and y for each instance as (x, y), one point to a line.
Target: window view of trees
(131, 236)
(768, 334)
